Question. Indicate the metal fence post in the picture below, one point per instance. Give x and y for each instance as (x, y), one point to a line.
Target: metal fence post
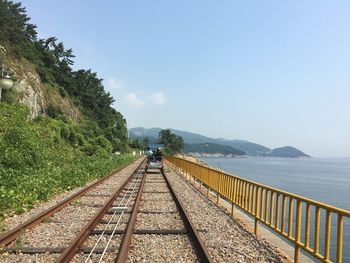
(256, 224)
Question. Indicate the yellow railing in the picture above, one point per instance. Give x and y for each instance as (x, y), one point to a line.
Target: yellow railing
(292, 216)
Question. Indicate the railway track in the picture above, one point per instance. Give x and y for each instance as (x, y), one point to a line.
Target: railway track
(145, 210)
(52, 230)
(142, 221)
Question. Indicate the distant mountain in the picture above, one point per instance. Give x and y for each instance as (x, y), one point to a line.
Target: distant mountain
(188, 137)
(151, 134)
(142, 132)
(211, 148)
(287, 151)
(251, 149)
(193, 138)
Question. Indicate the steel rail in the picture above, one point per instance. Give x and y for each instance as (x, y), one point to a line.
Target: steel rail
(199, 246)
(73, 248)
(201, 249)
(11, 235)
(125, 245)
(134, 185)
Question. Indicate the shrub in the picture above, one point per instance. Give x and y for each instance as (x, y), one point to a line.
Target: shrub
(104, 143)
(53, 111)
(65, 131)
(75, 138)
(21, 147)
(62, 92)
(20, 144)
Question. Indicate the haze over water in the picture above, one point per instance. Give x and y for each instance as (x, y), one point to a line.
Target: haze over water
(322, 179)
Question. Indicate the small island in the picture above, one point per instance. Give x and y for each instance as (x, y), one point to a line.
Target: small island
(288, 152)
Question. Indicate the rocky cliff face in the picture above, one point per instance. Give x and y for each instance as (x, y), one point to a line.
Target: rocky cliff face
(30, 91)
(31, 94)
(29, 88)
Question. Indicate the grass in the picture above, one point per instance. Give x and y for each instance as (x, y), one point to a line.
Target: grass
(21, 190)
(44, 157)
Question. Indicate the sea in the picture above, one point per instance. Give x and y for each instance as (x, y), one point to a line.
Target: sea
(322, 179)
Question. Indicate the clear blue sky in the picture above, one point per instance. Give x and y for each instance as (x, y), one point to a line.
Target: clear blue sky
(271, 72)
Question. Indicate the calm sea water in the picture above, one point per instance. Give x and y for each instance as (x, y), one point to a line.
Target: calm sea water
(325, 180)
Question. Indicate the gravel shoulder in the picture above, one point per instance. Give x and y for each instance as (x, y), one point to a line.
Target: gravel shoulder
(226, 239)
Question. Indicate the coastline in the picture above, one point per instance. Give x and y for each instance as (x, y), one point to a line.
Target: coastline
(192, 159)
(282, 247)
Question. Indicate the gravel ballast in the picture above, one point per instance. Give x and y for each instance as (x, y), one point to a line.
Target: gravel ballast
(162, 221)
(60, 229)
(226, 239)
(161, 248)
(159, 206)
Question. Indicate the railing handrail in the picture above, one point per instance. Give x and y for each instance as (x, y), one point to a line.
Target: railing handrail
(333, 209)
(269, 206)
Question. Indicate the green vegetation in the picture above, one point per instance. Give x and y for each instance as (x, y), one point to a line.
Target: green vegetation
(47, 156)
(136, 144)
(248, 148)
(173, 143)
(54, 152)
(53, 62)
(287, 152)
(211, 148)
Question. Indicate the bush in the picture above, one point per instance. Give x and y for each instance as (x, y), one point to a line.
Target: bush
(20, 143)
(8, 96)
(53, 111)
(64, 131)
(46, 156)
(12, 114)
(62, 92)
(103, 143)
(21, 147)
(90, 149)
(44, 75)
(75, 138)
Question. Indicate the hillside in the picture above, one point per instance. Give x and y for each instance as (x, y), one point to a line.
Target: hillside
(287, 151)
(44, 79)
(194, 138)
(58, 129)
(205, 149)
(251, 149)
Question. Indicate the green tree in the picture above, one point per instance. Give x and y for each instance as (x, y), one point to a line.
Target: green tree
(136, 144)
(145, 142)
(15, 31)
(48, 155)
(173, 143)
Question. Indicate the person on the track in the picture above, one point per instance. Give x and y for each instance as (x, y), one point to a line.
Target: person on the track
(158, 155)
(150, 154)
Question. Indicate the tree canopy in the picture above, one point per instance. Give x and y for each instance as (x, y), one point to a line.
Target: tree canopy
(173, 143)
(53, 64)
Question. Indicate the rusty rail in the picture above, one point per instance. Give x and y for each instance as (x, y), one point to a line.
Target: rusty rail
(72, 249)
(201, 249)
(199, 246)
(14, 233)
(125, 245)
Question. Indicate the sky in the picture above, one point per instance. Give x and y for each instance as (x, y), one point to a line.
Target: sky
(275, 73)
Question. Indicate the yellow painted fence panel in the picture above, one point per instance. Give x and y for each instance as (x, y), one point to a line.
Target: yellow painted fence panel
(279, 210)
